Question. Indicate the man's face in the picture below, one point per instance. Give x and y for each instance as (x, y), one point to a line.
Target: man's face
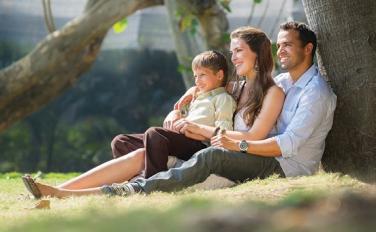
(290, 50)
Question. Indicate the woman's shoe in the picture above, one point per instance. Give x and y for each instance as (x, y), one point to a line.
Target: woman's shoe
(30, 184)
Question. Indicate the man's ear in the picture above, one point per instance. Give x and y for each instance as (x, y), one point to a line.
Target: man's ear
(308, 48)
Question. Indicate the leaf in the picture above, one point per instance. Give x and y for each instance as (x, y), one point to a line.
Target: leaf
(226, 5)
(42, 204)
(120, 26)
(257, 1)
(182, 68)
(226, 38)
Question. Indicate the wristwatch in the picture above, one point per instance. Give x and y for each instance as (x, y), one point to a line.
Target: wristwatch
(243, 146)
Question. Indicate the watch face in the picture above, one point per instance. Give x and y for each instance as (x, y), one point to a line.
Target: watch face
(243, 146)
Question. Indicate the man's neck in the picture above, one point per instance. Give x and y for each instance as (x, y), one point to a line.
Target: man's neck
(297, 72)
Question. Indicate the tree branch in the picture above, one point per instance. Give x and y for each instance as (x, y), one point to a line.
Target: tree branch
(58, 61)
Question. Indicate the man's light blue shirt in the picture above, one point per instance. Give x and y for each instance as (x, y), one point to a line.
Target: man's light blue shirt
(305, 120)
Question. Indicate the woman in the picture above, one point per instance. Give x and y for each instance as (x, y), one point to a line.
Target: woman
(259, 104)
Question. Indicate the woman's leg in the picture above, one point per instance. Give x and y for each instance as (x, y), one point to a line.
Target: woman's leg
(47, 190)
(113, 171)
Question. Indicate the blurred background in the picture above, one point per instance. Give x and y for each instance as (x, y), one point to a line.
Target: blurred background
(133, 84)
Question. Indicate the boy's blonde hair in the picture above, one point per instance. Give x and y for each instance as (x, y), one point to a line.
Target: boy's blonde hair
(213, 60)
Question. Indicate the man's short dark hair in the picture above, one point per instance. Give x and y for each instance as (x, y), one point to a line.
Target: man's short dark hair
(306, 35)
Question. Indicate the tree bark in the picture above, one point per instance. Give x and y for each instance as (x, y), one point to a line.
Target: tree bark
(346, 32)
(59, 60)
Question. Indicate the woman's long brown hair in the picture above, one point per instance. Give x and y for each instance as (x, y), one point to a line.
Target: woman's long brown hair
(260, 44)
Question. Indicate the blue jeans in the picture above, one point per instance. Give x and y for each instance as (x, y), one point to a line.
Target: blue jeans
(236, 166)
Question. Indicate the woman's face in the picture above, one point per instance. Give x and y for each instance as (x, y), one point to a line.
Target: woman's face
(243, 58)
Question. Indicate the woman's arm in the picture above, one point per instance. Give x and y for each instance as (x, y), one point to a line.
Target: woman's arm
(194, 130)
(186, 98)
(267, 118)
(271, 108)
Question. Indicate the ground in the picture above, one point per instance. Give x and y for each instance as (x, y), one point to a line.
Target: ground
(323, 202)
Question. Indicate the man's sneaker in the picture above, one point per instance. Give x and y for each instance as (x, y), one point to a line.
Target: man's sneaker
(124, 190)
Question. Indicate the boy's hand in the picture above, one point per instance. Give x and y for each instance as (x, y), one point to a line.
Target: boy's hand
(170, 119)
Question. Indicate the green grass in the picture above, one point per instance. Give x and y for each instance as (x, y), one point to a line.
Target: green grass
(324, 202)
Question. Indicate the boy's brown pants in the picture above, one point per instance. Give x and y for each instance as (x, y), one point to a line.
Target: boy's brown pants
(159, 143)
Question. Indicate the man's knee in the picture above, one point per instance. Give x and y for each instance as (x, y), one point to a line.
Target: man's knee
(211, 156)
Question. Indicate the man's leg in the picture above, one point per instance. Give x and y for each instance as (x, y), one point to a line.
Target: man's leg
(235, 166)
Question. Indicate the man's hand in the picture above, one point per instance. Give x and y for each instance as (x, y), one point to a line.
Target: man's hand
(170, 119)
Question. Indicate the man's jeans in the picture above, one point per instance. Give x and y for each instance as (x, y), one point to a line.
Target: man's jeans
(235, 166)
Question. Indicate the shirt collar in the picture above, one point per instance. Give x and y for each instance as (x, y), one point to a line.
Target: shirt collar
(211, 93)
(306, 77)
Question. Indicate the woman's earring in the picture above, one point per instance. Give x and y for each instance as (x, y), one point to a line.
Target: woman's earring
(256, 68)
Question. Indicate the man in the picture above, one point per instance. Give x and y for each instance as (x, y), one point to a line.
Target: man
(303, 125)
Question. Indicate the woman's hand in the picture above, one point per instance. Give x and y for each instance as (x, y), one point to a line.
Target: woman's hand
(221, 140)
(170, 119)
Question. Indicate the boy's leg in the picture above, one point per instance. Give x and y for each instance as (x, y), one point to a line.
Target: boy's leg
(123, 144)
(235, 166)
(160, 143)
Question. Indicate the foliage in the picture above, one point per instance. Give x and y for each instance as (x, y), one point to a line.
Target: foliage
(10, 52)
(225, 4)
(187, 21)
(120, 26)
(125, 92)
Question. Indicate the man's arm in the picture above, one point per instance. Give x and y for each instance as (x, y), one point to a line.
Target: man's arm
(267, 147)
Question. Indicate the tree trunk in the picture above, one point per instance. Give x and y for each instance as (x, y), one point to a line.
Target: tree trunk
(214, 25)
(346, 32)
(59, 60)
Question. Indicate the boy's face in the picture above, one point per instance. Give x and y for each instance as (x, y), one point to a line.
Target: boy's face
(206, 79)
